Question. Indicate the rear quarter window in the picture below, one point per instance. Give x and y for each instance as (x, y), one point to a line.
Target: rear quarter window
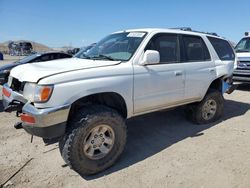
(222, 48)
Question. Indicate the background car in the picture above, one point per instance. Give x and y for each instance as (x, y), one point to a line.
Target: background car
(242, 72)
(73, 51)
(38, 57)
(1, 56)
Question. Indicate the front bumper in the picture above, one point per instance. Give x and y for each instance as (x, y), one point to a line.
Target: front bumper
(48, 122)
(241, 75)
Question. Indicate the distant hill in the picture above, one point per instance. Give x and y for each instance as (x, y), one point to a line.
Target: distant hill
(36, 46)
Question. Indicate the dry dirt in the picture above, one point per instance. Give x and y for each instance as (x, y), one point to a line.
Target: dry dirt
(163, 150)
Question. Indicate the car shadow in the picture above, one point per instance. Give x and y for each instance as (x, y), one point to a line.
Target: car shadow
(243, 87)
(152, 133)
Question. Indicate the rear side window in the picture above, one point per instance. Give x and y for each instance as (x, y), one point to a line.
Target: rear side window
(195, 49)
(222, 48)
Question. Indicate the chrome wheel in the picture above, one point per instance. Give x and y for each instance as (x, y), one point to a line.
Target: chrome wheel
(209, 109)
(99, 142)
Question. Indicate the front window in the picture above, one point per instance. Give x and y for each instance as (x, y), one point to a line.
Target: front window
(116, 47)
(243, 45)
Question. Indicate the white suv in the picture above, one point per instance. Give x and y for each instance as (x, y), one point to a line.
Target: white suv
(85, 100)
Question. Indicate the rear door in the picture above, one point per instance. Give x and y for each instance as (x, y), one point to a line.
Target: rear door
(198, 65)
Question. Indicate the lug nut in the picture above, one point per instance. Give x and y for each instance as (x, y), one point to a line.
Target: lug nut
(92, 141)
(101, 135)
(95, 136)
(94, 146)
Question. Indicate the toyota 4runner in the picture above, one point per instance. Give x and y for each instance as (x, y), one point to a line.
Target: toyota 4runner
(84, 101)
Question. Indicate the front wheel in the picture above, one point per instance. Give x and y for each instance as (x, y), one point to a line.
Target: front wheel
(209, 110)
(95, 140)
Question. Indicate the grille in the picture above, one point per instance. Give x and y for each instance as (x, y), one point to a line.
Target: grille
(244, 65)
(16, 85)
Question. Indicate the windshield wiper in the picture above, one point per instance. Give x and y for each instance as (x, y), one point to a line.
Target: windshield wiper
(101, 56)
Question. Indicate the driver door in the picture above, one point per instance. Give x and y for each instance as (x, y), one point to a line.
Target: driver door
(160, 85)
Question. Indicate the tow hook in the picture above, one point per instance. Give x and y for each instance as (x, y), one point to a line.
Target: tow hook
(14, 106)
(18, 125)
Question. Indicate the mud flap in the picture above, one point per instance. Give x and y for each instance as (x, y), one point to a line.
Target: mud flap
(228, 88)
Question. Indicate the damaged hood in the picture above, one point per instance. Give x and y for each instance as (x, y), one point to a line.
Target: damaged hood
(36, 71)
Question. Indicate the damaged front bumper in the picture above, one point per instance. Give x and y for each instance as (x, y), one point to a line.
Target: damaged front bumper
(45, 123)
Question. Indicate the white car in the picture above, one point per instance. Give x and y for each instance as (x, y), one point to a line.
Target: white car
(85, 100)
(242, 72)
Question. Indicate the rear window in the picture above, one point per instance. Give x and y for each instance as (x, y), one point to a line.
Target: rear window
(195, 49)
(222, 48)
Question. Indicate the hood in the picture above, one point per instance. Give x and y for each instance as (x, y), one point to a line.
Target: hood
(36, 71)
(243, 56)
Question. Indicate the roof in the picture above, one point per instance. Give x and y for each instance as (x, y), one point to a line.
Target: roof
(174, 30)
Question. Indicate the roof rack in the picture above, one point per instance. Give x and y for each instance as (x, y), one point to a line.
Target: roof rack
(190, 29)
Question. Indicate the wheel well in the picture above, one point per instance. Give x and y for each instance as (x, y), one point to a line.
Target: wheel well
(216, 84)
(110, 99)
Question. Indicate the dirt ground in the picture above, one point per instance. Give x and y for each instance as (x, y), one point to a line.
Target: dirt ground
(163, 150)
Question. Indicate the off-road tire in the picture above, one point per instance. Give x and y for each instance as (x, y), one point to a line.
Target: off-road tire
(85, 120)
(194, 111)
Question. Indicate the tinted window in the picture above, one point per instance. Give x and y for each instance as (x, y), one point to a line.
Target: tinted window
(195, 49)
(45, 58)
(167, 45)
(64, 56)
(222, 48)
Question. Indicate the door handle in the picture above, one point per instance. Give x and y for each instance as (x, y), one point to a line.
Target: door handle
(211, 70)
(178, 73)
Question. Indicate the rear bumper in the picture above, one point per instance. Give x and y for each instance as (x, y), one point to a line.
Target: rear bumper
(48, 122)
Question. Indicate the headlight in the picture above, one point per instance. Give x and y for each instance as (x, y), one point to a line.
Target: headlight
(37, 93)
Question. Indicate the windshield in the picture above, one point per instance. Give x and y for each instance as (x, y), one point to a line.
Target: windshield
(28, 58)
(243, 45)
(116, 47)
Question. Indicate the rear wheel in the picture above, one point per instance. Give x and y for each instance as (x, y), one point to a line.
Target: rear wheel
(96, 139)
(208, 110)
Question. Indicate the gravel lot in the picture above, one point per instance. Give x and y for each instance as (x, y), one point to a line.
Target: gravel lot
(163, 150)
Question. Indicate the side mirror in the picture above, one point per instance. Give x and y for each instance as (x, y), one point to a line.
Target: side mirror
(151, 57)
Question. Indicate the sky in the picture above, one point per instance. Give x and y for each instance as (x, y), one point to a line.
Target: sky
(58, 23)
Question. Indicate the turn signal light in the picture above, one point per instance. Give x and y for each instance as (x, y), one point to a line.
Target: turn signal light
(45, 93)
(6, 92)
(27, 119)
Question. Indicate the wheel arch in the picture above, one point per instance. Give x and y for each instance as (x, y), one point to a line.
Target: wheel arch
(110, 99)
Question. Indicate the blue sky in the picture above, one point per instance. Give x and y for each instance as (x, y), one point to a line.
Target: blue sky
(62, 22)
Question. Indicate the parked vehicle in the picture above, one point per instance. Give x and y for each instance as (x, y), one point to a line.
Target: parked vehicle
(1, 56)
(242, 72)
(73, 51)
(38, 57)
(84, 101)
(21, 48)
